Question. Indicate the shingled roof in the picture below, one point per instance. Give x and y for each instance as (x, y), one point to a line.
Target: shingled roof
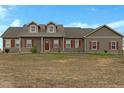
(12, 32)
(69, 32)
(76, 32)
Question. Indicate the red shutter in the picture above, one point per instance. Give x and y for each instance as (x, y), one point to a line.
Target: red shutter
(97, 45)
(90, 45)
(12, 43)
(3, 43)
(25, 43)
(109, 45)
(72, 43)
(79, 43)
(117, 45)
(64, 43)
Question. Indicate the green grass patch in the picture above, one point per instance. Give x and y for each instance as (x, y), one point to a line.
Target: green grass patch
(63, 56)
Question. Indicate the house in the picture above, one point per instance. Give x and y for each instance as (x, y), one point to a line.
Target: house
(53, 37)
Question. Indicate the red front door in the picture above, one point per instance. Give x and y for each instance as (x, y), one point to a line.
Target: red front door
(46, 44)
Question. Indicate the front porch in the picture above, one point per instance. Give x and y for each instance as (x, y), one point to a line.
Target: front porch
(42, 44)
(52, 44)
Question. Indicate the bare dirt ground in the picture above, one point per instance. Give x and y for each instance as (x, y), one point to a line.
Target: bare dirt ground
(61, 70)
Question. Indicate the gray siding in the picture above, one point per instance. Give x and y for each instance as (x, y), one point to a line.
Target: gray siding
(104, 32)
(103, 36)
(75, 49)
(52, 49)
(103, 44)
(13, 50)
(37, 44)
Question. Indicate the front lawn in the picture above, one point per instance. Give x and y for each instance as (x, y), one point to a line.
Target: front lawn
(61, 70)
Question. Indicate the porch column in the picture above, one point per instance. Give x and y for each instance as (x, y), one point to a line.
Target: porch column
(63, 44)
(41, 44)
(85, 46)
(20, 45)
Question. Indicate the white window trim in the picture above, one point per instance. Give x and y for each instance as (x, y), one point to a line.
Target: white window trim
(92, 45)
(70, 43)
(48, 29)
(27, 44)
(75, 43)
(58, 43)
(16, 43)
(31, 28)
(115, 45)
(9, 43)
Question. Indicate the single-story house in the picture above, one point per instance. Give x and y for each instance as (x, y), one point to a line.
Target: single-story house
(53, 37)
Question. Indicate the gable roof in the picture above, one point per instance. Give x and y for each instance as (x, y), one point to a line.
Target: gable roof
(68, 32)
(32, 23)
(76, 32)
(87, 31)
(102, 27)
(71, 32)
(51, 23)
(12, 32)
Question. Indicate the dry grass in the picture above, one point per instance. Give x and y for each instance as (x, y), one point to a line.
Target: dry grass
(61, 70)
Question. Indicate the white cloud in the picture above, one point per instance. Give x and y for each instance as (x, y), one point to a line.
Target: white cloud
(116, 24)
(3, 12)
(82, 25)
(11, 7)
(16, 23)
(93, 9)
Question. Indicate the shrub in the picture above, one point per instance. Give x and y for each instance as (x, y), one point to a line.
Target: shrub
(59, 51)
(105, 51)
(79, 51)
(7, 50)
(33, 50)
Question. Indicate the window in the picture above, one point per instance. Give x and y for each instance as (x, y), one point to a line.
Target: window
(94, 45)
(113, 45)
(33, 28)
(17, 43)
(56, 44)
(8, 43)
(51, 29)
(68, 43)
(77, 43)
(29, 43)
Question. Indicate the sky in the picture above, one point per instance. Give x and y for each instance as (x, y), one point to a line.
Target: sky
(84, 16)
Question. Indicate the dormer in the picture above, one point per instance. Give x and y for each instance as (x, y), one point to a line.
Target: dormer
(33, 27)
(51, 27)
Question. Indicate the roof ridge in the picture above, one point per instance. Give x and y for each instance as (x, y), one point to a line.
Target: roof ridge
(102, 27)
